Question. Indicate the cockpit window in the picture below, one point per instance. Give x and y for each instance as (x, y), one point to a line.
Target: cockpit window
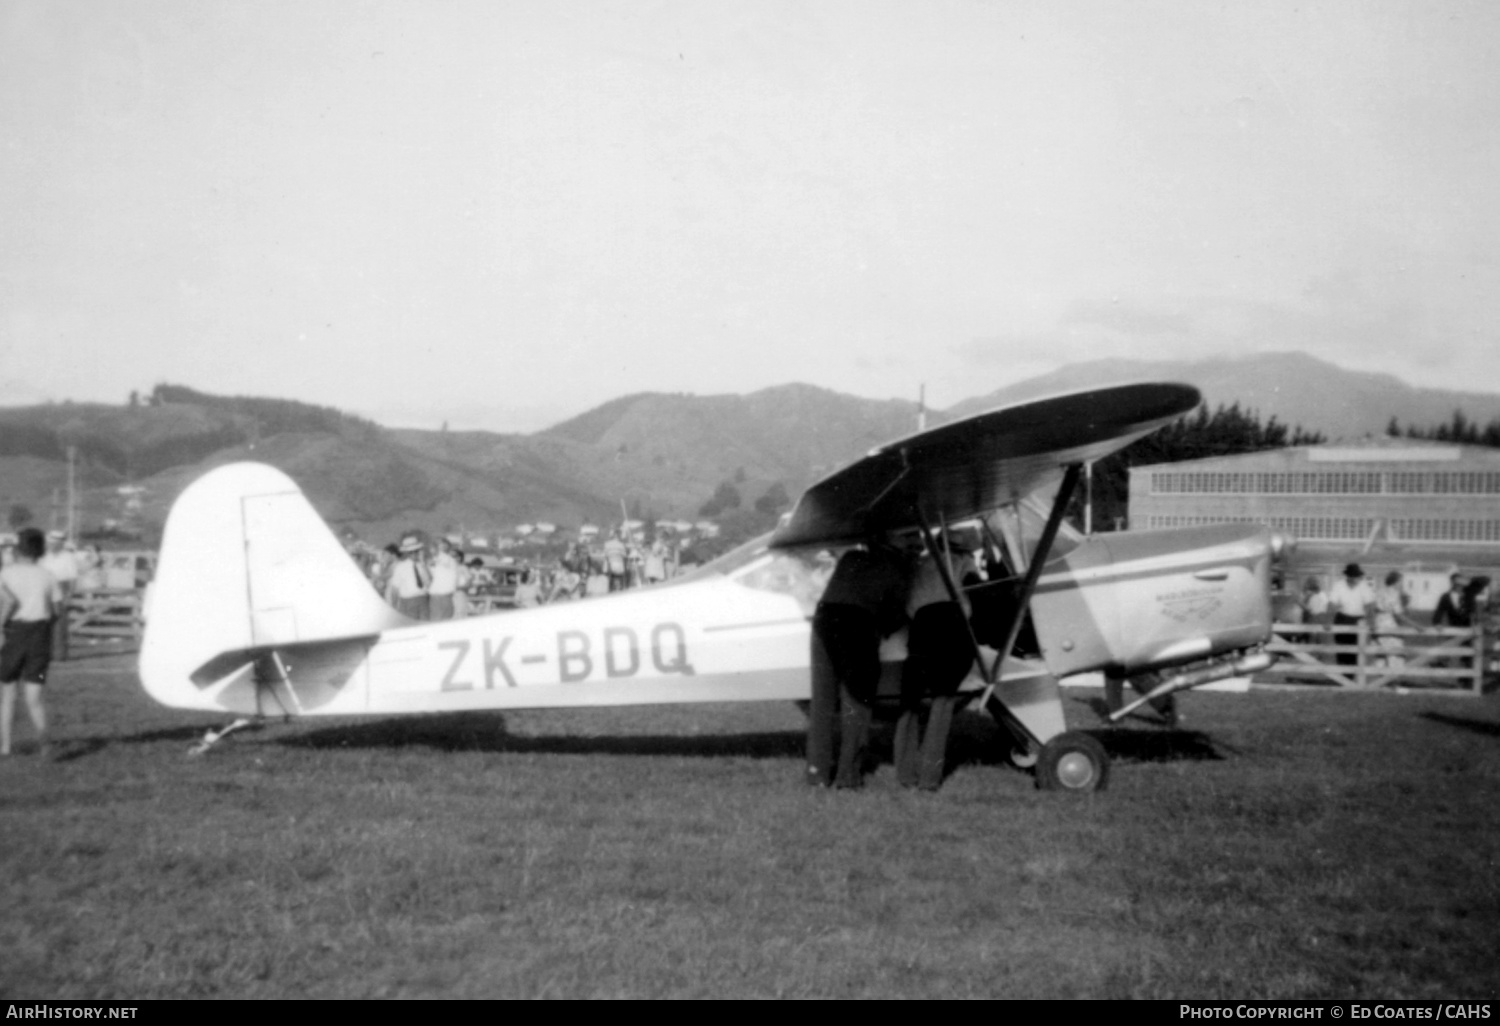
(724, 565)
(1021, 526)
(800, 573)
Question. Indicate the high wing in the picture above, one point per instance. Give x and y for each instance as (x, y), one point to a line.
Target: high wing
(979, 463)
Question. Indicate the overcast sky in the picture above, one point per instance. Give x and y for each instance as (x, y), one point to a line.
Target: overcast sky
(502, 213)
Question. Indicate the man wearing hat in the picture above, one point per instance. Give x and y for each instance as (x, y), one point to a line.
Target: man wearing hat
(1351, 600)
(62, 563)
(407, 590)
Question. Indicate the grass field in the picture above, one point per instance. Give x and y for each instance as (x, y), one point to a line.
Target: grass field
(1282, 845)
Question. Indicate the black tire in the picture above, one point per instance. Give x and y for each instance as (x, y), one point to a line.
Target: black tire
(1073, 761)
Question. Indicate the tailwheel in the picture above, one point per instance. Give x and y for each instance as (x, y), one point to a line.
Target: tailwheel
(1022, 758)
(1073, 761)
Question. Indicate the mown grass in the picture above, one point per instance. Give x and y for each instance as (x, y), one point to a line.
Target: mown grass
(1288, 844)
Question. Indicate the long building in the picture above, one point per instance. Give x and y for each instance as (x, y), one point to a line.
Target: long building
(1427, 508)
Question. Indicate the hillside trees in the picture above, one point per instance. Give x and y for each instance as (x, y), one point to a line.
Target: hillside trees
(272, 416)
(139, 440)
(725, 497)
(774, 500)
(1459, 429)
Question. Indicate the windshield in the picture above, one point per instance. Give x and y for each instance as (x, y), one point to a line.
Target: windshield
(1022, 524)
(801, 573)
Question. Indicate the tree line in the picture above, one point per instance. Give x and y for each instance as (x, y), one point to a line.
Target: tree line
(1459, 429)
(129, 451)
(1227, 431)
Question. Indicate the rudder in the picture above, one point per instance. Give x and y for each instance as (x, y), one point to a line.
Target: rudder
(247, 563)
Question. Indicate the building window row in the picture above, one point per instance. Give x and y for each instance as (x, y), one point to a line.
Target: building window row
(1349, 528)
(1323, 528)
(1336, 482)
(1445, 530)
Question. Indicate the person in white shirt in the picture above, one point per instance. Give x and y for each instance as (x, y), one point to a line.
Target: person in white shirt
(1314, 603)
(90, 569)
(656, 561)
(1351, 600)
(30, 599)
(407, 588)
(444, 583)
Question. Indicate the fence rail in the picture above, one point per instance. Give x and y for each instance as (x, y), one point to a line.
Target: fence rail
(103, 616)
(1354, 656)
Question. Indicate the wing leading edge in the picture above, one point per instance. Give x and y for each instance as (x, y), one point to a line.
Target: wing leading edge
(976, 464)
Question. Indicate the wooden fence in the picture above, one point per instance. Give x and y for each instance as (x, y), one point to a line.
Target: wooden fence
(1436, 657)
(104, 617)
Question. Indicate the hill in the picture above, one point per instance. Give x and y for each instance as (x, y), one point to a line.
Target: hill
(651, 454)
(1295, 388)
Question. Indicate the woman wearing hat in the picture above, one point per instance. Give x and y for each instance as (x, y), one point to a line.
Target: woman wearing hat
(407, 590)
(1351, 600)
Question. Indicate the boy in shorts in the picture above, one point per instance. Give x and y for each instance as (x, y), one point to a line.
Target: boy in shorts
(30, 598)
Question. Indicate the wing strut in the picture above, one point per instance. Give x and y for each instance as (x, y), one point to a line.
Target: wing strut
(1038, 558)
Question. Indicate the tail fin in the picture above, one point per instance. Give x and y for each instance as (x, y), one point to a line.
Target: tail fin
(246, 564)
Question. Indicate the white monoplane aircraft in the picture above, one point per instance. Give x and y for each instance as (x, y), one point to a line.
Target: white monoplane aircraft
(258, 611)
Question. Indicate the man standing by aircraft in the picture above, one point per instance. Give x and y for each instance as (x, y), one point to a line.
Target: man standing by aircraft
(864, 602)
(939, 655)
(407, 590)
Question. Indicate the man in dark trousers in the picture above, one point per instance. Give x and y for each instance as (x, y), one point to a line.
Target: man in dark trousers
(865, 601)
(939, 656)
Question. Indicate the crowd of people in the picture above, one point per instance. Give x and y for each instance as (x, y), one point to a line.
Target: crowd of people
(435, 580)
(1384, 609)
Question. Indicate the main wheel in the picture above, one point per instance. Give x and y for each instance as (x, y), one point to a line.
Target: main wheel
(1073, 761)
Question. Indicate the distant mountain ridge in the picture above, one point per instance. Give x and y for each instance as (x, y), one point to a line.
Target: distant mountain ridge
(1295, 388)
(649, 454)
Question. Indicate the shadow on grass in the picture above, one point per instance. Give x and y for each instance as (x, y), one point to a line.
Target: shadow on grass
(73, 749)
(1158, 745)
(146, 737)
(464, 732)
(977, 741)
(1485, 727)
(69, 751)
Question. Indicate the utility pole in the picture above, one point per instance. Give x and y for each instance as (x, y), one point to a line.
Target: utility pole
(72, 526)
(922, 407)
